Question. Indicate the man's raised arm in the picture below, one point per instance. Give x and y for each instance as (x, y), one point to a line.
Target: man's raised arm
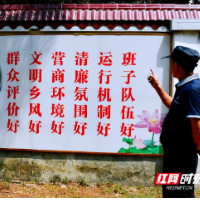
(166, 99)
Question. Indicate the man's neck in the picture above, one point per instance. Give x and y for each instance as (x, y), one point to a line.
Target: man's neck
(184, 76)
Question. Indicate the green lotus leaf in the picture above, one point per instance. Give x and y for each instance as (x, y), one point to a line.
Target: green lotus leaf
(128, 141)
(148, 142)
(147, 150)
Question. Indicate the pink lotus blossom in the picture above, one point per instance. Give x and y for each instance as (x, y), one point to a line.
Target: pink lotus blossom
(138, 143)
(153, 122)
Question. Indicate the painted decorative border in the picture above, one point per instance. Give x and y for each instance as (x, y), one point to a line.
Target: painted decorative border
(87, 33)
(88, 28)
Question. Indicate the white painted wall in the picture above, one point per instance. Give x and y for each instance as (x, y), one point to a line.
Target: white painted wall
(191, 40)
(145, 98)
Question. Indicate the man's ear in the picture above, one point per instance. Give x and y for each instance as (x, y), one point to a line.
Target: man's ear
(178, 67)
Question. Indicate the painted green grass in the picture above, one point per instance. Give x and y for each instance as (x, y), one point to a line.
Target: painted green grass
(147, 150)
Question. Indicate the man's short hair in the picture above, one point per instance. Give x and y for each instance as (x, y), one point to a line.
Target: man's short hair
(188, 67)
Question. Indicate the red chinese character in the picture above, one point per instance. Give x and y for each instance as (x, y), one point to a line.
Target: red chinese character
(58, 56)
(12, 75)
(80, 93)
(35, 74)
(58, 110)
(126, 96)
(13, 90)
(80, 111)
(101, 127)
(35, 108)
(12, 109)
(12, 126)
(103, 111)
(103, 93)
(129, 76)
(125, 128)
(34, 92)
(13, 57)
(81, 76)
(129, 58)
(81, 58)
(127, 113)
(78, 127)
(58, 76)
(35, 58)
(107, 77)
(34, 127)
(57, 92)
(57, 128)
(105, 59)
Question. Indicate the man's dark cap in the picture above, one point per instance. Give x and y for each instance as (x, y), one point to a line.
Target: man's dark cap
(185, 57)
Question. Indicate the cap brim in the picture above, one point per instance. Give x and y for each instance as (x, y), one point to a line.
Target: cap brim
(166, 57)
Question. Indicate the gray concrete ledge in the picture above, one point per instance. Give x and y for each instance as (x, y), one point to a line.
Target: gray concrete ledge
(123, 170)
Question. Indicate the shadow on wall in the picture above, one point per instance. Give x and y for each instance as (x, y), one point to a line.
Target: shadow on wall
(123, 170)
(163, 63)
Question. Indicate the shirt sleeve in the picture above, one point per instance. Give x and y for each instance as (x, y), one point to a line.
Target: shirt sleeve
(193, 104)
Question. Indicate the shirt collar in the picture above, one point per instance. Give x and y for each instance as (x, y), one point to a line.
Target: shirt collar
(188, 79)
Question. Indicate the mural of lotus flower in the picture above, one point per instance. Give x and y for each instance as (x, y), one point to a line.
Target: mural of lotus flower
(138, 143)
(151, 121)
(157, 143)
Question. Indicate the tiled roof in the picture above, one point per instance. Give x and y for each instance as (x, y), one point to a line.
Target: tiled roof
(96, 12)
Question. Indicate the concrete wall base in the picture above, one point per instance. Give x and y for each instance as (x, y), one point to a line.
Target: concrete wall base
(123, 170)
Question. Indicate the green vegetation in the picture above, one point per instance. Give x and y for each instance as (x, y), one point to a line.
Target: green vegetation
(65, 180)
(75, 190)
(84, 181)
(55, 178)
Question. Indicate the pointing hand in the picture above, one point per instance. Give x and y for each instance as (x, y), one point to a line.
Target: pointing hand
(153, 80)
